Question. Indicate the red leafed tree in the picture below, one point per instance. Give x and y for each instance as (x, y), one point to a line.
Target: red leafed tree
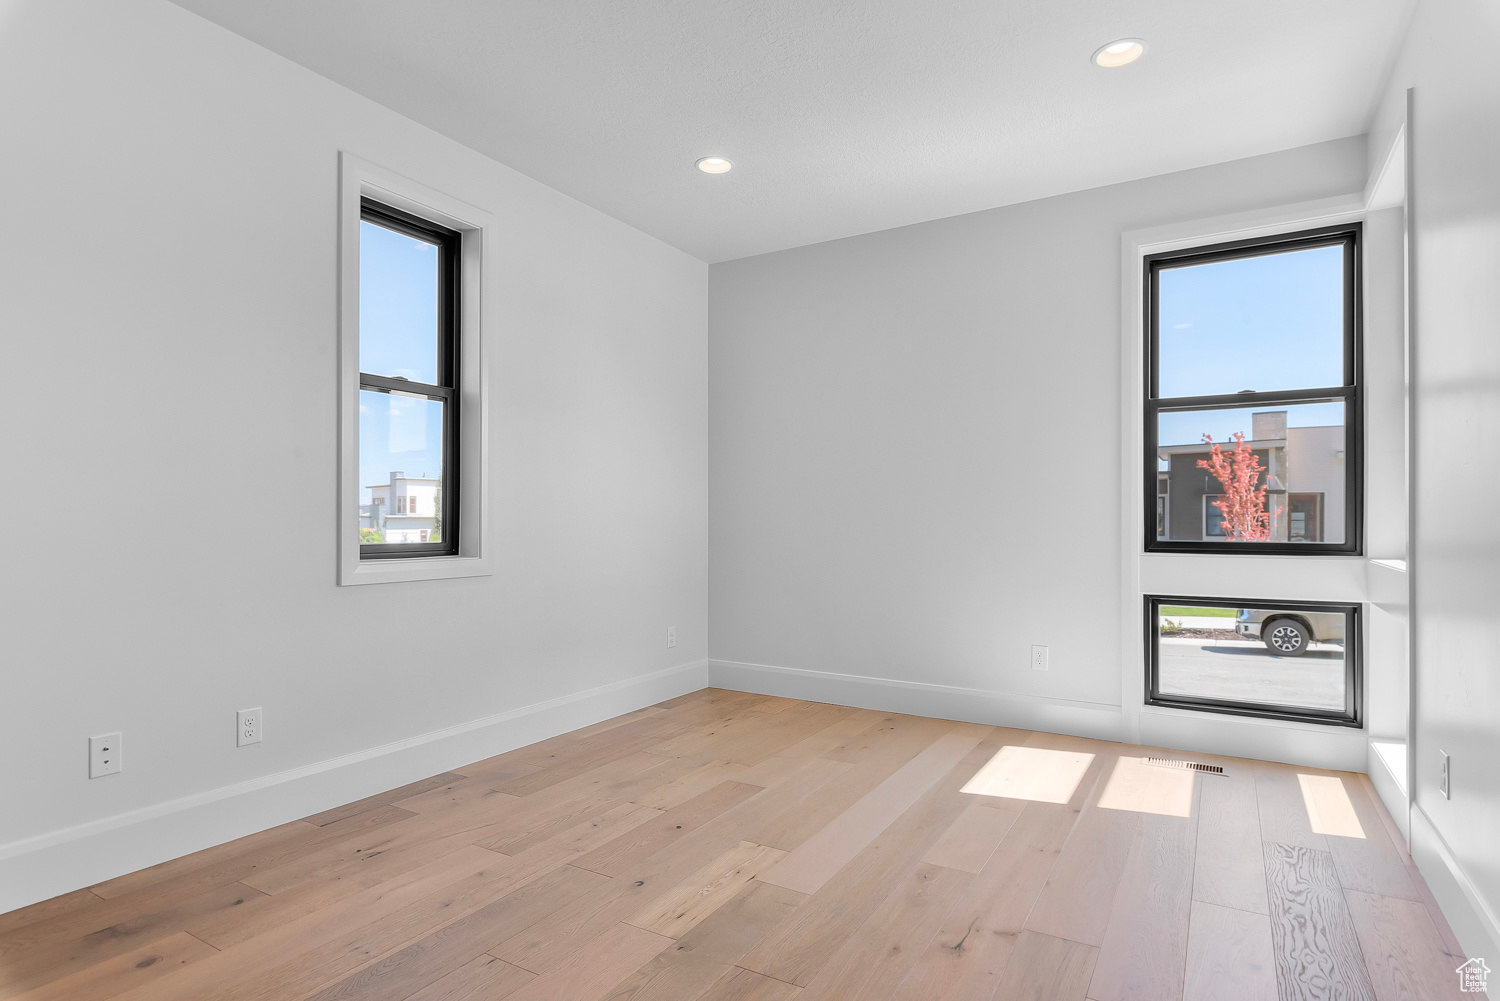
(1242, 503)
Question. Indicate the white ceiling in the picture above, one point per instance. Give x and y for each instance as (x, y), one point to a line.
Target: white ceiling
(841, 116)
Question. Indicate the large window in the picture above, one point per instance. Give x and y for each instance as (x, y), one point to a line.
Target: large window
(408, 374)
(1287, 660)
(1252, 403)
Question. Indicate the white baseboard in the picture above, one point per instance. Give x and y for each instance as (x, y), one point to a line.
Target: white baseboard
(1468, 914)
(1308, 744)
(969, 705)
(46, 865)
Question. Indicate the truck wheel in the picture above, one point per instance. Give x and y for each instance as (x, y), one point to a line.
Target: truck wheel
(1286, 637)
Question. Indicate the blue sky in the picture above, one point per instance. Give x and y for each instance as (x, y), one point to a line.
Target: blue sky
(398, 330)
(1262, 323)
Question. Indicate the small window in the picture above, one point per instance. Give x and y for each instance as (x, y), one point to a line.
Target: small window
(1287, 660)
(408, 367)
(1252, 403)
(1213, 516)
(1305, 512)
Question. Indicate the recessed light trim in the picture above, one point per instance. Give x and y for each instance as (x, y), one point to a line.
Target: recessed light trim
(714, 165)
(1119, 52)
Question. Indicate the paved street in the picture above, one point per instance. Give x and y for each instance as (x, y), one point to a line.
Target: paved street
(1246, 672)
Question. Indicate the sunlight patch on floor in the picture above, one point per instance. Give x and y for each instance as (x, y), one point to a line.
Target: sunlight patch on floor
(1329, 810)
(1034, 773)
(1145, 788)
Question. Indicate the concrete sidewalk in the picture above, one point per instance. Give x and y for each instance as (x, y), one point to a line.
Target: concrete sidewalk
(1200, 621)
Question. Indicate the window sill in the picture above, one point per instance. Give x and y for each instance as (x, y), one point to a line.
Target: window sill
(1270, 722)
(1282, 578)
(392, 571)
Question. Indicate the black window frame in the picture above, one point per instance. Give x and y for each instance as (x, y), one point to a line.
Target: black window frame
(449, 243)
(1349, 235)
(1352, 714)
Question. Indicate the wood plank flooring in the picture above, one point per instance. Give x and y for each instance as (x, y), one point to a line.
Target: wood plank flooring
(725, 846)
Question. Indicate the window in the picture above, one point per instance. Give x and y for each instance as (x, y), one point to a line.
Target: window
(1163, 505)
(1213, 517)
(1286, 660)
(1306, 513)
(408, 368)
(416, 267)
(1252, 401)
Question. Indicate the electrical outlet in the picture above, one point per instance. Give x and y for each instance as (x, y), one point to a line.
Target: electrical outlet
(248, 725)
(1039, 658)
(105, 755)
(671, 636)
(1443, 778)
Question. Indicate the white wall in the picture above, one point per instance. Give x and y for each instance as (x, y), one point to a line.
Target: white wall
(914, 437)
(1455, 200)
(168, 308)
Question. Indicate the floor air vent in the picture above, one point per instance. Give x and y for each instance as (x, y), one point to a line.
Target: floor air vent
(1195, 766)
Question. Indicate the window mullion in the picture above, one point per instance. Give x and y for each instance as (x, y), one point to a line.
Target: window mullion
(382, 384)
(1240, 401)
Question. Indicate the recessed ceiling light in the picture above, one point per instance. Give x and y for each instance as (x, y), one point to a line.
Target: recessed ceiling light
(1118, 53)
(714, 165)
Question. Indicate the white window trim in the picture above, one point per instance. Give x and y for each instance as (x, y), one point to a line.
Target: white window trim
(360, 178)
(1318, 578)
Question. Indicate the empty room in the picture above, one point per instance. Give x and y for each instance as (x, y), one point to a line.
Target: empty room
(743, 500)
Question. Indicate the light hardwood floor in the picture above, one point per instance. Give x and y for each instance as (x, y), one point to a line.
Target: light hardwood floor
(733, 847)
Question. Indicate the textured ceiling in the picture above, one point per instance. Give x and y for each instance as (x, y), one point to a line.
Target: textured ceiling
(841, 116)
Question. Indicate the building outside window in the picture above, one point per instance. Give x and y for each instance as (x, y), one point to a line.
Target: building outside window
(1304, 473)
